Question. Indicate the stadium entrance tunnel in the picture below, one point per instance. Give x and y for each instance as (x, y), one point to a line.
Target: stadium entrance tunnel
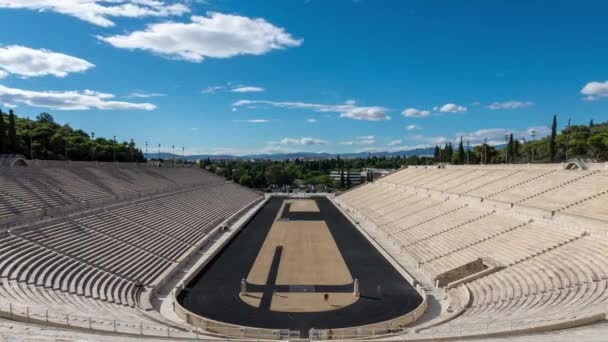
(298, 266)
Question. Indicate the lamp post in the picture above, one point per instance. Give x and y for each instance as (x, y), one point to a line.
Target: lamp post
(533, 134)
(485, 150)
(468, 150)
(146, 150)
(92, 146)
(183, 156)
(159, 153)
(114, 145)
(173, 154)
(65, 143)
(567, 140)
(29, 123)
(507, 149)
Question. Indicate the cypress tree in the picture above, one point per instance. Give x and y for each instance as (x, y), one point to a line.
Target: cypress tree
(461, 152)
(437, 153)
(511, 149)
(12, 133)
(552, 141)
(2, 134)
(591, 124)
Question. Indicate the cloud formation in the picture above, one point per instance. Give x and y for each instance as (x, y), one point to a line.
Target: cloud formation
(510, 105)
(412, 127)
(496, 136)
(415, 113)
(348, 110)
(247, 89)
(137, 95)
(253, 121)
(216, 35)
(305, 141)
(452, 108)
(360, 140)
(67, 100)
(232, 88)
(98, 11)
(595, 90)
(27, 62)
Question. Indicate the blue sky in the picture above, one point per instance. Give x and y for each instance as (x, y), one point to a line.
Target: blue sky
(259, 76)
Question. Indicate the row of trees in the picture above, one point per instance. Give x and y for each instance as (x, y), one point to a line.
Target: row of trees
(586, 141)
(43, 138)
(263, 173)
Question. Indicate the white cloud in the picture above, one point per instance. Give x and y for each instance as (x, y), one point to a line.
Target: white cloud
(496, 136)
(144, 95)
(510, 105)
(216, 35)
(360, 140)
(412, 127)
(67, 100)
(212, 89)
(595, 90)
(394, 143)
(415, 113)
(3, 74)
(253, 121)
(311, 120)
(427, 140)
(347, 110)
(229, 87)
(302, 141)
(452, 108)
(247, 89)
(98, 11)
(27, 62)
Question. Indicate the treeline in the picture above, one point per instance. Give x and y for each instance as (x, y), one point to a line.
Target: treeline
(43, 138)
(262, 174)
(581, 141)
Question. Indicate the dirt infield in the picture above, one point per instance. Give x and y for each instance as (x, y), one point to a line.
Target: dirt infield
(310, 256)
(298, 206)
(214, 292)
(301, 302)
(310, 302)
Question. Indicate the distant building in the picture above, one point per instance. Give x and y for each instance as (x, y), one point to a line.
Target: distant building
(354, 176)
(373, 173)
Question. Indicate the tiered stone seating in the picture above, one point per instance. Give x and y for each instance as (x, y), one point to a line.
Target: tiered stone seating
(547, 275)
(540, 186)
(568, 277)
(513, 180)
(97, 263)
(594, 206)
(506, 247)
(589, 184)
(35, 189)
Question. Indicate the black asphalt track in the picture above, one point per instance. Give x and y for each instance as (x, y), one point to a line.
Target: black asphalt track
(214, 292)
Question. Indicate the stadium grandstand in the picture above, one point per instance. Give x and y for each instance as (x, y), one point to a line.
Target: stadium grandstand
(493, 251)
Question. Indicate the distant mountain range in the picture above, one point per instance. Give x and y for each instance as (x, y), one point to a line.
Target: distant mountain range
(301, 155)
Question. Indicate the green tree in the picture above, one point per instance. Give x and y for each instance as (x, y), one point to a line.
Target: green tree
(511, 149)
(246, 180)
(13, 144)
(598, 145)
(461, 153)
(552, 147)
